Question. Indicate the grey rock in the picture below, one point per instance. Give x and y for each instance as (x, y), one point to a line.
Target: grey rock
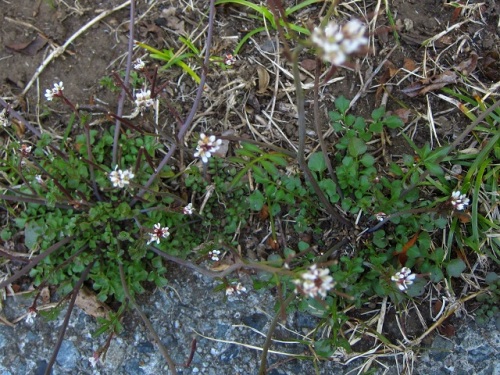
(441, 348)
(256, 321)
(230, 354)
(132, 367)
(68, 355)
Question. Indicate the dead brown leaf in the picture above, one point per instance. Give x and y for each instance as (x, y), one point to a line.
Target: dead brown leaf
(490, 65)
(466, 67)
(263, 79)
(273, 244)
(403, 114)
(390, 71)
(88, 302)
(30, 48)
(45, 295)
(436, 307)
(409, 64)
(447, 330)
(308, 64)
(264, 213)
(433, 83)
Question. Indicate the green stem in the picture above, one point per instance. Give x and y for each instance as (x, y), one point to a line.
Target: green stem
(269, 337)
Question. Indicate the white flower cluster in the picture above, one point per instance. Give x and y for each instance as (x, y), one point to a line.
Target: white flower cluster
(25, 150)
(338, 42)
(206, 147)
(238, 289)
(94, 360)
(30, 317)
(120, 178)
(229, 59)
(188, 210)
(314, 281)
(143, 99)
(459, 201)
(157, 233)
(56, 91)
(403, 278)
(4, 121)
(214, 255)
(139, 64)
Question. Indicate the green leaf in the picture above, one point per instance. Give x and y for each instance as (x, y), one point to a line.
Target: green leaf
(356, 147)
(256, 200)
(277, 159)
(317, 162)
(396, 169)
(31, 233)
(270, 168)
(251, 147)
(328, 186)
(342, 104)
(455, 267)
(303, 246)
(378, 113)
(323, 348)
(434, 169)
(376, 127)
(393, 122)
(367, 160)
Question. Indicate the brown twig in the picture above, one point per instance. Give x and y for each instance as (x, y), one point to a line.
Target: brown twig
(269, 337)
(64, 326)
(194, 108)
(123, 94)
(23, 271)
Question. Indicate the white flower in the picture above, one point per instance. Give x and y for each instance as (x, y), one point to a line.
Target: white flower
(206, 147)
(4, 121)
(139, 64)
(94, 360)
(238, 289)
(188, 210)
(30, 317)
(229, 59)
(315, 281)
(49, 95)
(157, 233)
(126, 176)
(214, 255)
(25, 150)
(120, 178)
(39, 179)
(459, 201)
(403, 278)
(55, 91)
(143, 99)
(338, 42)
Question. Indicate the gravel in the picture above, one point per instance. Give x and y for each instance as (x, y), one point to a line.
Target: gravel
(189, 308)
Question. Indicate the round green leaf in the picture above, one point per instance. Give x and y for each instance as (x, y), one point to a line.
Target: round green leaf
(317, 162)
(455, 267)
(256, 200)
(356, 147)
